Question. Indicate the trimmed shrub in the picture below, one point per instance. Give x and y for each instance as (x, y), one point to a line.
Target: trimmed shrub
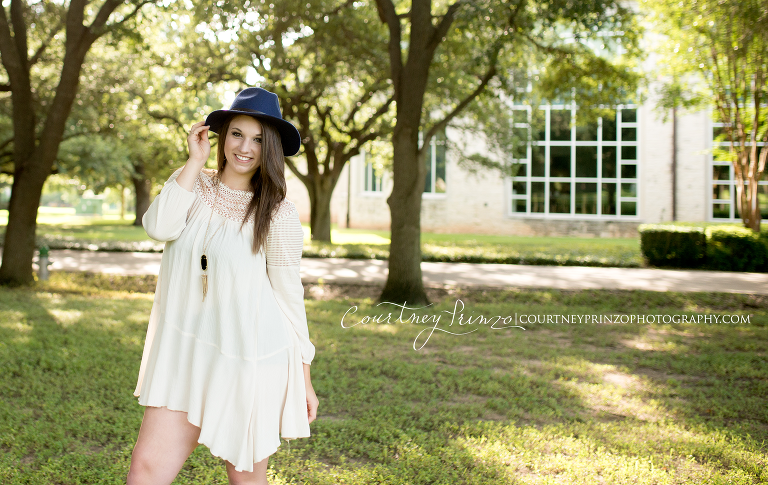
(673, 246)
(734, 248)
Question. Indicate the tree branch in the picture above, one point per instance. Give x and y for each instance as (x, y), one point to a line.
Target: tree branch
(8, 51)
(6, 143)
(442, 27)
(367, 95)
(46, 42)
(335, 11)
(295, 170)
(370, 121)
(20, 32)
(489, 74)
(105, 11)
(74, 23)
(388, 16)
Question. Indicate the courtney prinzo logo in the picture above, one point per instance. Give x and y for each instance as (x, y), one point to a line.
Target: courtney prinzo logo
(452, 322)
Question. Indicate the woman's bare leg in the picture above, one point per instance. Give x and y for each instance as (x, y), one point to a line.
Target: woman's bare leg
(257, 477)
(166, 439)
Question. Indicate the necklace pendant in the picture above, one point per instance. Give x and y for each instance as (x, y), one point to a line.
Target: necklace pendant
(205, 286)
(204, 262)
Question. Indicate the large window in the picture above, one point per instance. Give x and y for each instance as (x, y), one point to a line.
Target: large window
(723, 202)
(572, 169)
(435, 180)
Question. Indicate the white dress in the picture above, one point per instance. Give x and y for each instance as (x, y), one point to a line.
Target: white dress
(233, 362)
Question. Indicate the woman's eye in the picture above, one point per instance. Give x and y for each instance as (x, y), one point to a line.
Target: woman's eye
(235, 134)
(257, 140)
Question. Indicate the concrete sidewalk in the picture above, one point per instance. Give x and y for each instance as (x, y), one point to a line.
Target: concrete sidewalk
(335, 270)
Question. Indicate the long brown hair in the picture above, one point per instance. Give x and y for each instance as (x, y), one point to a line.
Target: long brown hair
(268, 183)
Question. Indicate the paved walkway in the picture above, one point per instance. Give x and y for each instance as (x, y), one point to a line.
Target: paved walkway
(335, 270)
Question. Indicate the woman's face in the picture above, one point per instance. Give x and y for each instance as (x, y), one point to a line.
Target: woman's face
(242, 147)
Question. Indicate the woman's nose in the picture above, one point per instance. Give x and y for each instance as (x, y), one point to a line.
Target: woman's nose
(245, 145)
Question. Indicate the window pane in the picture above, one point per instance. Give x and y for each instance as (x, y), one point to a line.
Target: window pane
(629, 171)
(721, 154)
(560, 161)
(762, 199)
(537, 196)
(629, 190)
(560, 197)
(518, 188)
(560, 125)
(518, 206)
(721, 192)
(609, 162)
(629, 116)
(718, 131)
(629, 153)
(520, 142)
(587, 132)
(609, 128)
(721, 172)
(721, 211)
(629, 134)
(520, 116)
(586, 198)
(608, 199)
(538, 124)
(520, 169)
(586, 161)
(628, 208)
(537, 161)
(440, 168)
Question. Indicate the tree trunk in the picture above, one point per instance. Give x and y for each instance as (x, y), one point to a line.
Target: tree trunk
(142, 186)
(122, 203)
(320, 211)
(404, 282)
(33, 157)
(19, 246)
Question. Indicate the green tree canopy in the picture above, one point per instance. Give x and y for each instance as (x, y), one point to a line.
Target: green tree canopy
(722, 46)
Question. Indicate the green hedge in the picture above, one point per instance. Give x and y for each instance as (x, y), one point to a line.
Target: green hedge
(673, 246)
(716, 247)
(732, 248)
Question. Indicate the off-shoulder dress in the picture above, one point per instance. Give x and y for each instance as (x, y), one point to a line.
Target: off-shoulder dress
(233, 361)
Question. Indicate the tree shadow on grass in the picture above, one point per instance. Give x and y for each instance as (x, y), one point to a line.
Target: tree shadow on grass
(68, 365)
(572, 405)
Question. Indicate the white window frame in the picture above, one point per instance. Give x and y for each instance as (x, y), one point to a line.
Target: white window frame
(369, 175)
(547, 143)
(731, 183)
(433, 167)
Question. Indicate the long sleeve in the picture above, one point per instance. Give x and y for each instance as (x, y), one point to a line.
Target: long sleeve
(167, 215)
(284, 246)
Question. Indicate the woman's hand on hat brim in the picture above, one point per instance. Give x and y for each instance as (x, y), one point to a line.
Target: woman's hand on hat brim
(198, 143)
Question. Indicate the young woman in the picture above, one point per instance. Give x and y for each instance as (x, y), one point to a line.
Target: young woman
(227, 356)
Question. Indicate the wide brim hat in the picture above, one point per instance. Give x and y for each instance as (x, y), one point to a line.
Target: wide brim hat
(262, 105)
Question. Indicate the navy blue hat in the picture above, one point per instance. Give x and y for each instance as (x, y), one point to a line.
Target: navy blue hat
(262, 105)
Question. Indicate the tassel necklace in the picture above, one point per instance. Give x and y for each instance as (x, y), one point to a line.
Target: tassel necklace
(206, 242)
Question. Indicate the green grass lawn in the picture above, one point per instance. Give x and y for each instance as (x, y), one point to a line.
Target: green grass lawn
(60, 229)
(555, 403)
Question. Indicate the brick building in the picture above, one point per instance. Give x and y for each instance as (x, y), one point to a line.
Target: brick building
(600, 180)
